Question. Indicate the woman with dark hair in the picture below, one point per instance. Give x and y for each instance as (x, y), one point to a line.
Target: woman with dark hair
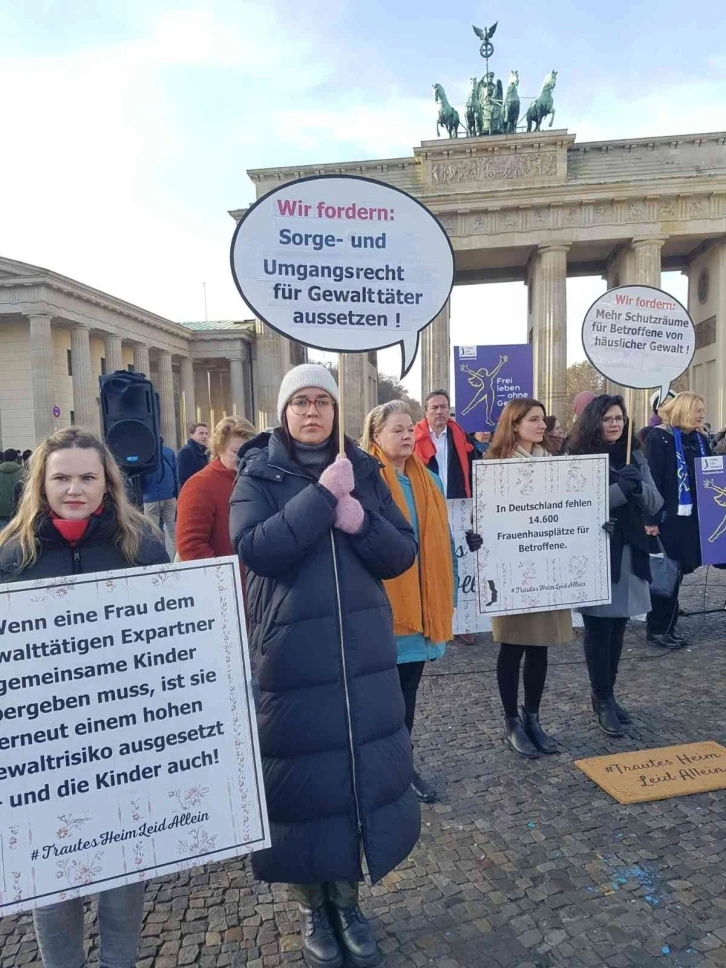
(317, 536)
(74, 518)
(603, 428)
(554, 438)
(519, 434)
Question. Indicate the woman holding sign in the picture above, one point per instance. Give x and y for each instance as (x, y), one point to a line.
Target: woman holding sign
(603, 428)
(672, 449)
(519, 435)
(317, 536)
(422, 599)
(74, 518)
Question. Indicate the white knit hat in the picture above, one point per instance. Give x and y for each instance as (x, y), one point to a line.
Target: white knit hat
(300, 377)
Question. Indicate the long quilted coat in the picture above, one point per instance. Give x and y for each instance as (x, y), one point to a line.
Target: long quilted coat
(336, 753)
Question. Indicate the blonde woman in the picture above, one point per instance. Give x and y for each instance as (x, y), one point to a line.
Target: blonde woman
(520, 435)
(203, 506)
(423, 598)
(672, 450)
(74, 517)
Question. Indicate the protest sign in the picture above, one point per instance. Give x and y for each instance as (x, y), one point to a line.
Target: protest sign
(343, 263)
(639, 337)
(467, 617)
(711, 491)
(544, 545)
(485, 379)
(127, 730)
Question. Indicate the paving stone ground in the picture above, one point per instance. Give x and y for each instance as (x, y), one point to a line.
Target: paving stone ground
(522, 864)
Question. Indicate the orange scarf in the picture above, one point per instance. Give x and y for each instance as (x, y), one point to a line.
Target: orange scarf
(422, 598)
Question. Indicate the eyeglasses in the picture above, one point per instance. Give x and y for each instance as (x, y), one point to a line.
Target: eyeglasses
(301, 405)
(613, 420)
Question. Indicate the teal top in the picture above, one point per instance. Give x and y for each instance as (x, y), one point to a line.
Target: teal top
(416, 647)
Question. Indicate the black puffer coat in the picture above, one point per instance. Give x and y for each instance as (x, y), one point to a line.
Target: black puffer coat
(336, 753)
(95, 551)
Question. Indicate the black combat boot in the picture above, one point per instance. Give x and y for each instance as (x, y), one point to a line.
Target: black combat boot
(356, 936)
(320, 946)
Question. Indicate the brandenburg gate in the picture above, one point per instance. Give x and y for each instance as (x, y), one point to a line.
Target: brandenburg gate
(537, 208)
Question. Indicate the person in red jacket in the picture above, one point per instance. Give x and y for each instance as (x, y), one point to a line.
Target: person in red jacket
(202, 527)
(442, 445)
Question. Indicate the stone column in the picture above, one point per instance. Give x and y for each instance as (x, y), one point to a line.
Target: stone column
(189, 406)
(41, 375)
(273, 362)
(435, 354)
(237, 386)
(355, 378)
(114, 354)
(550, 328)
(141, 360)
(166, 401)
(646, 272)
(84, 392)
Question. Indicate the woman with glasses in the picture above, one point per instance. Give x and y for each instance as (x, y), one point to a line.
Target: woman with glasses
(603, 428)
(318, 535)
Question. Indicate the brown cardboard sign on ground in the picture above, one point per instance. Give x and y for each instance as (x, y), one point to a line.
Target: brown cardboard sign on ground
(671, 771)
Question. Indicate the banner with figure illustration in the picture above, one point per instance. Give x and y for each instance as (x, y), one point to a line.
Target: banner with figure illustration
(127, 729)
(711, 491)
(486, 378)
(467, 617)
(542, 525)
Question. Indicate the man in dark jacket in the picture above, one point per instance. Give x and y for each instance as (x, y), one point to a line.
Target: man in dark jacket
(193, 456)
(159, 493)
(442, 445)
(11, 472)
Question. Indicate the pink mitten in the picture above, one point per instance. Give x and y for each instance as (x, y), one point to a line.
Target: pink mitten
(338, 478)
(349, 514)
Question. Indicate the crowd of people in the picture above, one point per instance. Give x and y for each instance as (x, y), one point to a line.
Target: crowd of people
(350, 575)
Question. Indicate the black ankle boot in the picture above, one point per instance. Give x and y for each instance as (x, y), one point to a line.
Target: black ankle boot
(543, 742)
(518, 739)
(607, 717)
(622, 714)
(356, 936)
(320, 946)
(423, 790)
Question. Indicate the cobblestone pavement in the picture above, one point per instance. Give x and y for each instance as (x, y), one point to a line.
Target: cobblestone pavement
(521, 863)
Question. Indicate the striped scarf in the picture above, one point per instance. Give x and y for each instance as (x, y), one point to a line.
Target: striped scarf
(685, 501)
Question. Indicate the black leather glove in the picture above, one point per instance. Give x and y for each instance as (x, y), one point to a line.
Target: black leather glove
(474, 540)
(630, 480)
(609, 526)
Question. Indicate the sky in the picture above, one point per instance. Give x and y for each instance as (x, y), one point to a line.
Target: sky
(128, 125)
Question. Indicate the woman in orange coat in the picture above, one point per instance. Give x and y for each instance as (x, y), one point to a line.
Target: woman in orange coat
(202, 527)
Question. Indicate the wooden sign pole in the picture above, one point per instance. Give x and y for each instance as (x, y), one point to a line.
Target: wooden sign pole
(341, 407)
(629, 426)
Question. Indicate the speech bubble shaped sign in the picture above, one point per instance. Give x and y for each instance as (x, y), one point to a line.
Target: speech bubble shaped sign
(639, 337)
(343, 263)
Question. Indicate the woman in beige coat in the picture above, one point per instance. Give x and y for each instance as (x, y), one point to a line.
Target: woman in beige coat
(519, 435)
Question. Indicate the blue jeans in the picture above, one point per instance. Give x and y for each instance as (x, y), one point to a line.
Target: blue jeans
(59, 929)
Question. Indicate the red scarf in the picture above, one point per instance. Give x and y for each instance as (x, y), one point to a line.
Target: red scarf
(425, 449)
(72, 531)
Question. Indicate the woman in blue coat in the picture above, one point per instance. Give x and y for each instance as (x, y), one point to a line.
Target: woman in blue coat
(317, 537)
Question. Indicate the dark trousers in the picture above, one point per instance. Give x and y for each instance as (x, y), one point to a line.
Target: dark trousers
(603, 647)
(534, 676)
(344, 894)
(410, 675)
(663, 613)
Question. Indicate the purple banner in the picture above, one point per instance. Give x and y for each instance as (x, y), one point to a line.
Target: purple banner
(711, 489)
(485, 378)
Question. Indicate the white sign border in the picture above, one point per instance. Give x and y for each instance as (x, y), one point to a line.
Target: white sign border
(606, 505)
(371, 181)
(245, 692)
